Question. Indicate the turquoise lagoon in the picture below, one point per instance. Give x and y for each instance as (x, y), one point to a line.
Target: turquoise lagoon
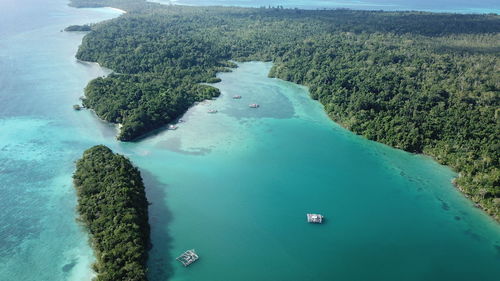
(235, 185)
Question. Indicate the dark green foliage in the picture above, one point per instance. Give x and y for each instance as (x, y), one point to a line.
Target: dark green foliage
(142, 103)
(418, 81)
(85, 27)
(113, 206)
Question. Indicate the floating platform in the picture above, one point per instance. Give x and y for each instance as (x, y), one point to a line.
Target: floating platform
(315, 218)
(188, 257)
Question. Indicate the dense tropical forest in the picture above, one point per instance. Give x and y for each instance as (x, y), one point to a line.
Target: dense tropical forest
(423, 82)
(85, 27)
(113, 206)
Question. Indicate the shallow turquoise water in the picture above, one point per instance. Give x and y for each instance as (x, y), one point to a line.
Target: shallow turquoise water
(40, 137)
(239, 183)
(233, 185)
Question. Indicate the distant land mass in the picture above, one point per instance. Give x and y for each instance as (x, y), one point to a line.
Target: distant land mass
(423, 82)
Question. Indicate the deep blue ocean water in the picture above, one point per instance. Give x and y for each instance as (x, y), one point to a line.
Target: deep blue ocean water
(233, 185)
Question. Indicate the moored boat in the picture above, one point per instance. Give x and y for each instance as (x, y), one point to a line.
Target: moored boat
(315, 218)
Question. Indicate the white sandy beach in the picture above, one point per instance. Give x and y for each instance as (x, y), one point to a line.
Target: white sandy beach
(119, 10)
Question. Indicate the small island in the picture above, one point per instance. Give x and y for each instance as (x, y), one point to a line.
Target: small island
(112, 205)
(85, 27)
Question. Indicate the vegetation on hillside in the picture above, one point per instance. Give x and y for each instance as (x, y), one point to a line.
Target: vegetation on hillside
(113, 206)
(418, 81)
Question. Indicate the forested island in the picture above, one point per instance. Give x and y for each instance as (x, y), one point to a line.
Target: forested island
(423, 82)
(85, 27)
(112, 205)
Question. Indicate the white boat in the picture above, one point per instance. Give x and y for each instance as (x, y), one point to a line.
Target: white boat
(212, 111)
(315, 218)
(172, 127)
(237, 97)
(253, 105)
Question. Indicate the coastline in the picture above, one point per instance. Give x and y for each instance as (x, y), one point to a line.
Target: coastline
(477, 203)
(92, 177)
(355, 5)
(116, 9)
(107, 70)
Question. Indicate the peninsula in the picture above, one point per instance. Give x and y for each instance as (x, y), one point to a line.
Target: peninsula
(423, 82)
(113, 206)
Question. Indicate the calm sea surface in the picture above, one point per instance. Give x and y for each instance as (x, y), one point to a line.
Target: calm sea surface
(235, 185)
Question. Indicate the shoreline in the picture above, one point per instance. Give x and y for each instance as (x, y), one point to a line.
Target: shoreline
(476, 203)
(351, 6)
(116, 9)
